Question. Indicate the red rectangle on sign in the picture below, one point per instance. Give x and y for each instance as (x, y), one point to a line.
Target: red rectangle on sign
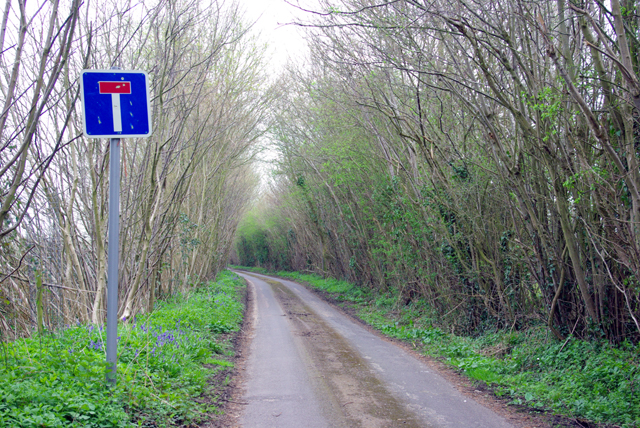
(115, 87)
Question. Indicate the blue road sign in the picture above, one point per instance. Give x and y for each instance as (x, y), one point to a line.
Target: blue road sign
(115, 103)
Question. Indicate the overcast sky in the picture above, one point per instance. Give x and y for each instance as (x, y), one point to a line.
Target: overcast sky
(271, 17)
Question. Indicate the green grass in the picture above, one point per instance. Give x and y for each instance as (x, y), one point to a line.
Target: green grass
(591, 380)
(58, 379)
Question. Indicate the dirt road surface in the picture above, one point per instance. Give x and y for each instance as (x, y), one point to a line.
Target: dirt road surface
(311, 366)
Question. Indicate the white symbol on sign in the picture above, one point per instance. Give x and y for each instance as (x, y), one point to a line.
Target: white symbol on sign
(115, 89)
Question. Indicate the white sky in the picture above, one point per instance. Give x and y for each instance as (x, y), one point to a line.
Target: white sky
(271, 18)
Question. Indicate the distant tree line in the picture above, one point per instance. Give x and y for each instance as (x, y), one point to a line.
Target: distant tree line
(482, 157)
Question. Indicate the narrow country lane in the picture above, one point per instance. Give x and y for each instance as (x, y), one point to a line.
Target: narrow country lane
(311, 366)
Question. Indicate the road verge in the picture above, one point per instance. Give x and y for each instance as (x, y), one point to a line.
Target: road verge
(173, 366)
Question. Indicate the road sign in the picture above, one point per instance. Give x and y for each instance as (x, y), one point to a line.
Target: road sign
(115, 103)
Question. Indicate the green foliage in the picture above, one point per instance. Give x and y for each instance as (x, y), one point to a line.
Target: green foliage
(549, 103)
(58, 379)
(262, 240)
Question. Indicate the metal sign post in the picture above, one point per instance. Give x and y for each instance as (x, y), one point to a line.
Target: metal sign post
(115, 105)
(114, 259)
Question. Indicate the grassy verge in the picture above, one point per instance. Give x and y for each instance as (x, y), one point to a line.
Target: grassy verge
(164, 362)
(590, 380)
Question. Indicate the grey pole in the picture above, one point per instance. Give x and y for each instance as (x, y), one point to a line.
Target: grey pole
(112, 267)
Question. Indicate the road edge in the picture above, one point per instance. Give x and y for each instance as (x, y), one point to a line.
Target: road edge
(230, 402)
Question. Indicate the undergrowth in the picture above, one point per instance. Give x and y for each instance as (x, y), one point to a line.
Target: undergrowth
(591, 380)
(58, 378)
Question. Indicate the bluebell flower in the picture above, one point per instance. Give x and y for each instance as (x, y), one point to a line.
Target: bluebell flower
(95, 345)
